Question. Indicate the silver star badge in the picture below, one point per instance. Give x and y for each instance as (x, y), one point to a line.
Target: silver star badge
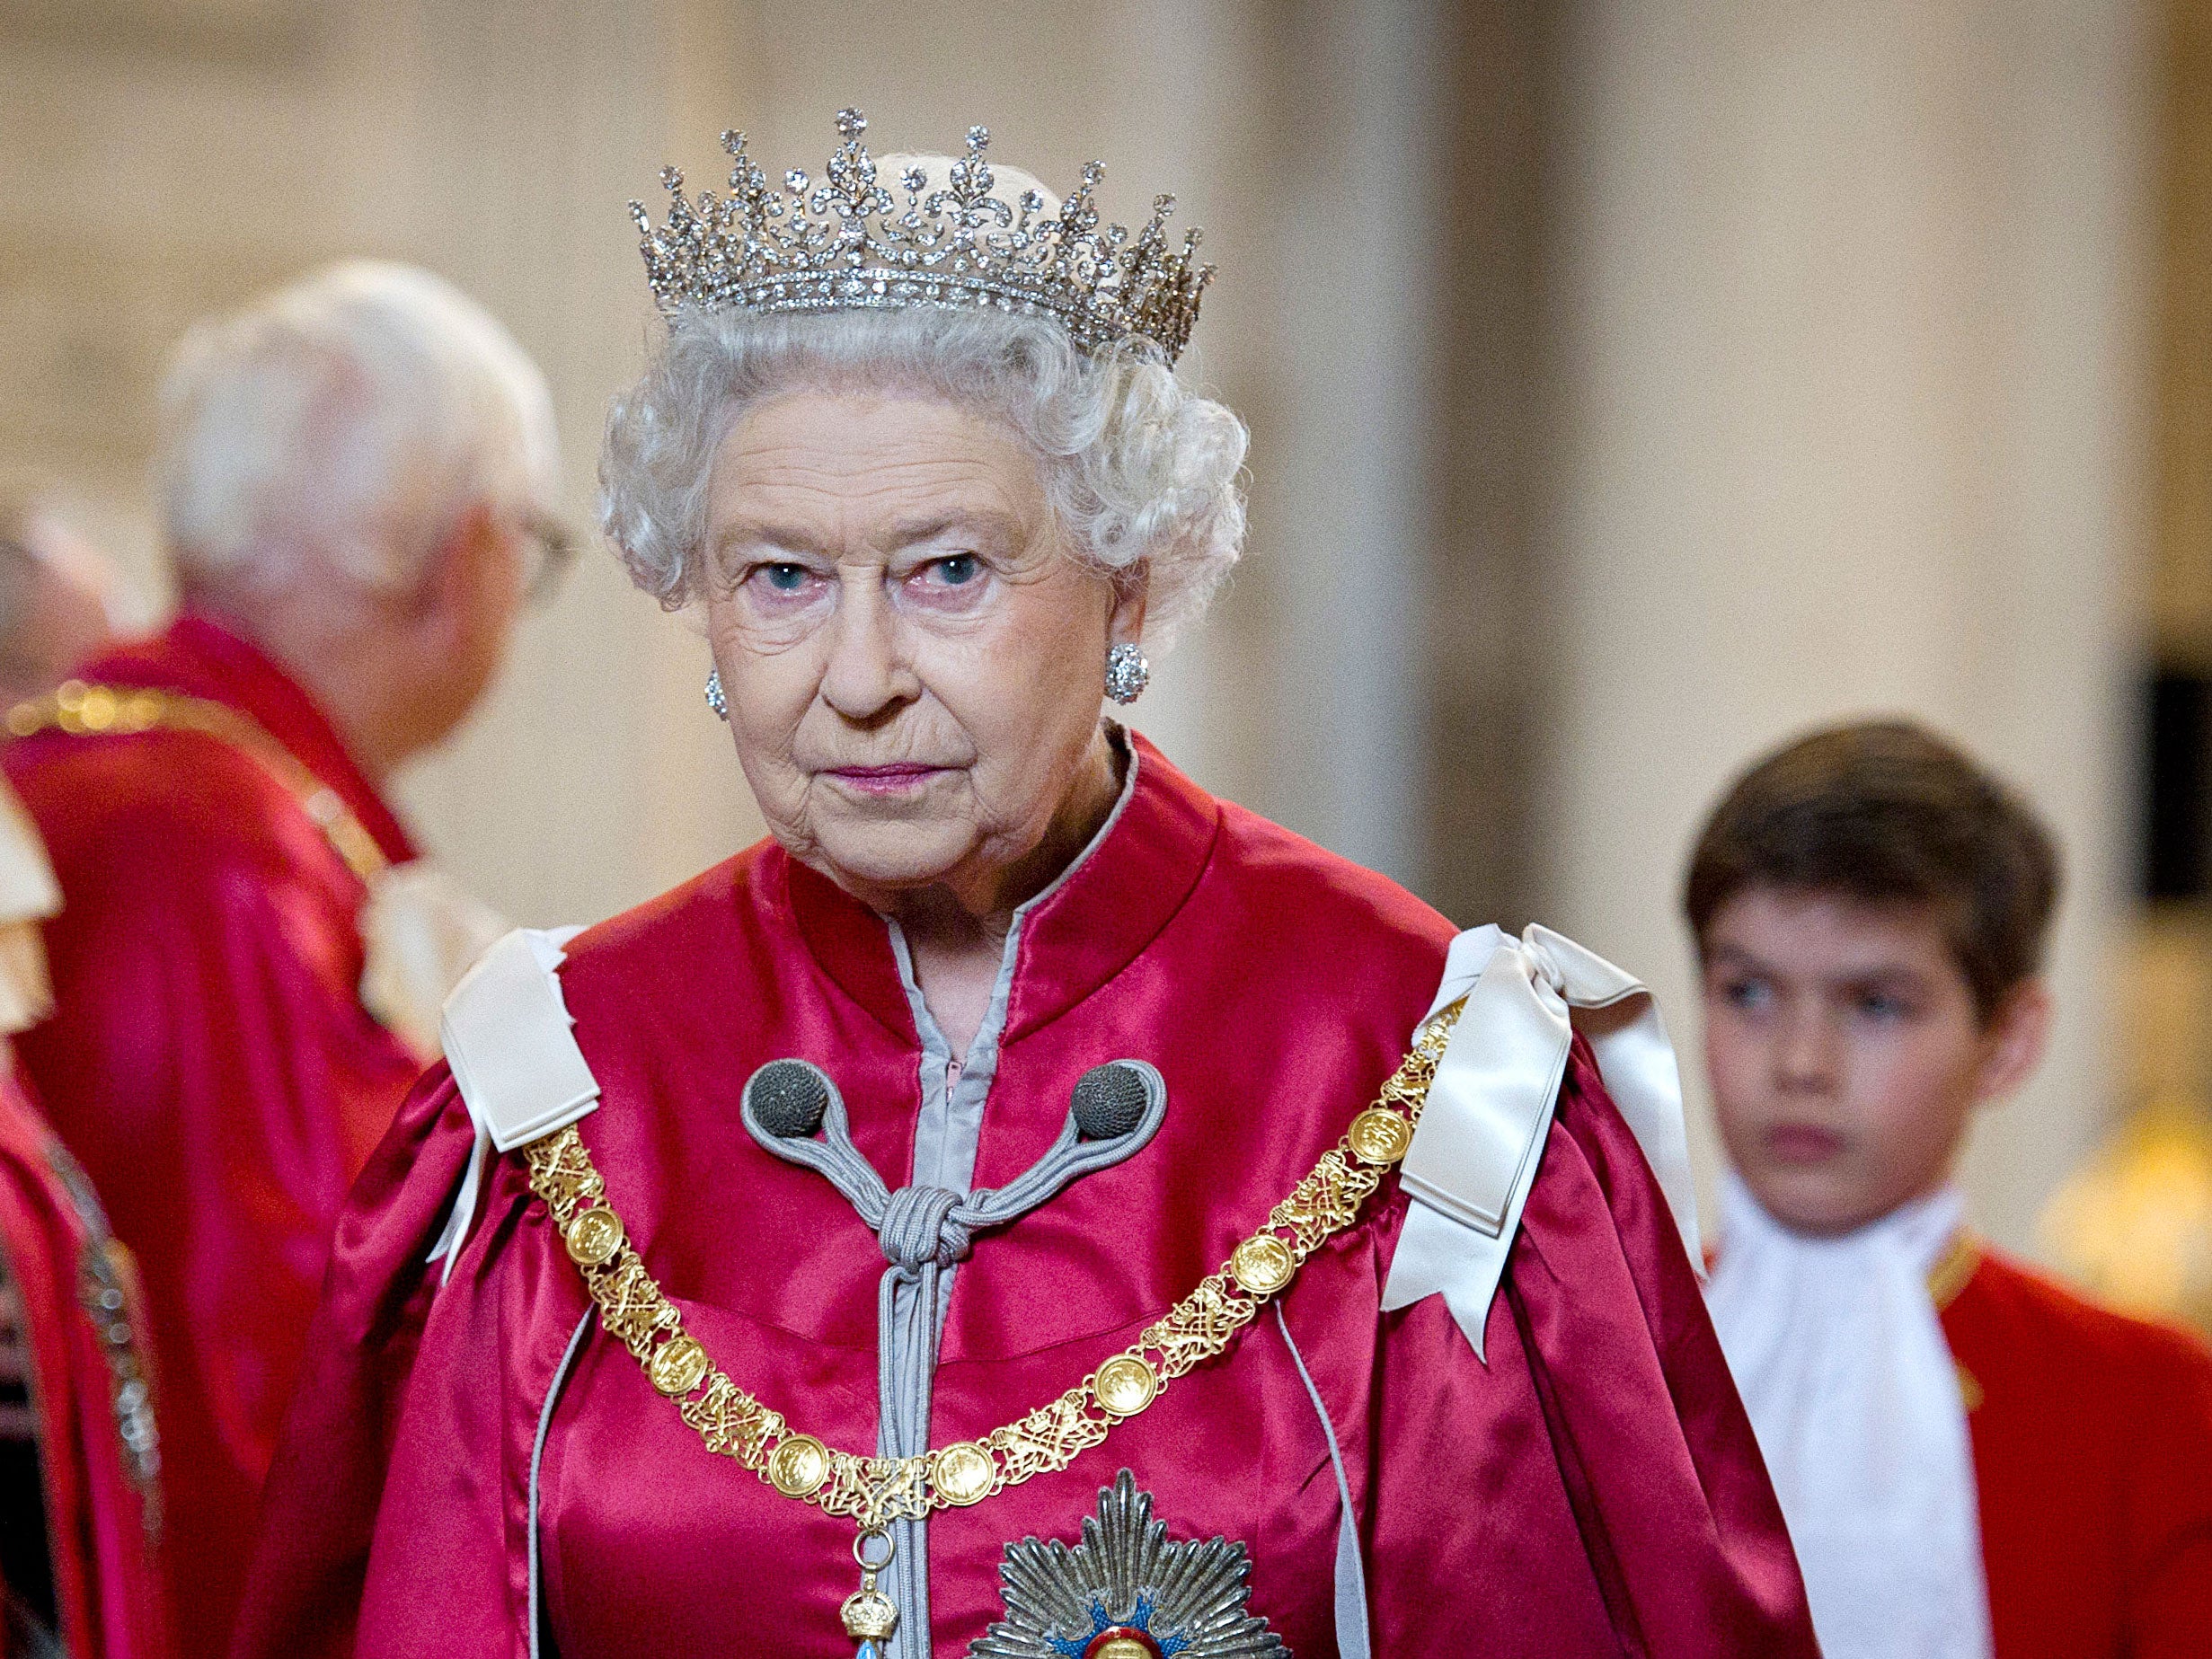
(1126, 1593)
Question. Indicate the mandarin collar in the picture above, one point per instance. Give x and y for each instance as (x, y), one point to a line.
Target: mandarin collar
(1089, 924)
(200, 657)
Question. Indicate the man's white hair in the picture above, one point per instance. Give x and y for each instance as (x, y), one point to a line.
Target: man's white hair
(347, 420)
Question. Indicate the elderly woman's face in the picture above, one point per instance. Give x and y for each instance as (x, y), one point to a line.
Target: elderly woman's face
(912, 662)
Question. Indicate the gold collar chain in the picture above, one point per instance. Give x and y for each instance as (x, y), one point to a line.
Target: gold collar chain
(875, 1491)
(84, 710)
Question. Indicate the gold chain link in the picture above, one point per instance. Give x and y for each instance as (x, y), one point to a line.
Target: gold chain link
(876, 1491)
(85, 711)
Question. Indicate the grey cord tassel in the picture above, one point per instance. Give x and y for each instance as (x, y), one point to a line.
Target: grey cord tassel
(925, 1232)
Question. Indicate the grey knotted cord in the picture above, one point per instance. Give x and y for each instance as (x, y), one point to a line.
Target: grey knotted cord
(924, 1231)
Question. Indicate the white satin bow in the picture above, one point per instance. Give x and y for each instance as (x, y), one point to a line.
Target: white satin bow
(509, 1037)
(1474, 1157)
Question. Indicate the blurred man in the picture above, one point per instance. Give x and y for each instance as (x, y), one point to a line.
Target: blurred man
(351, 475)
(57, 597)
(1972, 1459)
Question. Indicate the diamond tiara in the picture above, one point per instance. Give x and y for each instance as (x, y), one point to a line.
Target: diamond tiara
(846, 244)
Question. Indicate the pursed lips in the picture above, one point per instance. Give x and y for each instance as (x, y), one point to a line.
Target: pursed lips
(899, 777)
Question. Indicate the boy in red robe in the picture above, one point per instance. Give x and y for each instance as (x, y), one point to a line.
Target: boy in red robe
(350, 472)
(1973, 1460)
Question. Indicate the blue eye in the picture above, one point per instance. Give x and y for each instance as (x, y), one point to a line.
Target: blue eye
(959, 569)
(1748, 994)
(785, 578)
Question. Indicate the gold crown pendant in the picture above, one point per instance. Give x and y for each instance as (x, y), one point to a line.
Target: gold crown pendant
(847, 243)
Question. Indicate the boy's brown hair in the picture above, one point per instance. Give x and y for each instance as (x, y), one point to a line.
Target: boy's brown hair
(1886, 812)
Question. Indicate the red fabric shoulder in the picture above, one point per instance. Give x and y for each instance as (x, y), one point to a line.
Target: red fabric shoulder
(1326, 915)
(700, 912)
(199, 656)
(182, 801)
(2093, 1454)
(2064, 1328)
(1326, 894)
(319, 1506)
(1679, 1550)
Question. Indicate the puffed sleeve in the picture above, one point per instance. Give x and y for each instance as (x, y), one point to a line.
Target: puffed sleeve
(327, 1483)
(396, 1522)
(1601, 1459)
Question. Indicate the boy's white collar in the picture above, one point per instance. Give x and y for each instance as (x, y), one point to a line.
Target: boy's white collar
(1919, 1231)
(1852, 1389)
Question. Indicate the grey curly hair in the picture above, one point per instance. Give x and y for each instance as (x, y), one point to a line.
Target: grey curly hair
(1140, 472)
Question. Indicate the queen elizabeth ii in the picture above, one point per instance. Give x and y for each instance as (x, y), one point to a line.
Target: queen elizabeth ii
(973, 1219)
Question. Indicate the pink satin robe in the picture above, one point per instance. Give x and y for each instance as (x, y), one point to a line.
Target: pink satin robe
(1594, 1489)
(209, 1059)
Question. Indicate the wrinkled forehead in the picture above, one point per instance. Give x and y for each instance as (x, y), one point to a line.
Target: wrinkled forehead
(827, 469)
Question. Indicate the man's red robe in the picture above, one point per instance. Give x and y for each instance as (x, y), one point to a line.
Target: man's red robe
(209, 1059)
(1594, 1489)
(2092, 1458)
(101, 1516)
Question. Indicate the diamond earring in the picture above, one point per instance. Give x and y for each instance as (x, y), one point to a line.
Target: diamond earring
(1127, 673)
(714, 698)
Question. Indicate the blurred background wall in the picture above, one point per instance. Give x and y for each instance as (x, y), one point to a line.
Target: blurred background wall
(1855, 365)
(1632, 384)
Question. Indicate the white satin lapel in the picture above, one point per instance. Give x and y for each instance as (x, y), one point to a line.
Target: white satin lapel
(1474, 1157)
